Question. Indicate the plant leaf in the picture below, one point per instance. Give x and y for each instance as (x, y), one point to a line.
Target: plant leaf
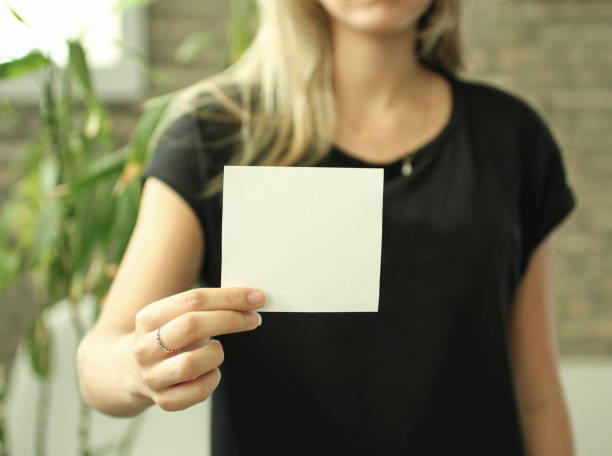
(10, 267)
(47, 228)
(131, 170)
(193, 45)
(145, 127)
(98, 170)
(39, 346)
(77, 62)
(32, 61)
(49, 172)
(125, 219)
(18, 17)
(93, 121)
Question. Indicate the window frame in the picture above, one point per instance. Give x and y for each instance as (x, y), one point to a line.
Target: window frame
(125, 81)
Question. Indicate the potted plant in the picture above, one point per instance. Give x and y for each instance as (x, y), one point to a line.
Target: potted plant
(73, 208)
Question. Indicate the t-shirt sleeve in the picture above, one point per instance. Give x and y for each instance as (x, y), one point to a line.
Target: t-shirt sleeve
(546, 196)
(177, 161)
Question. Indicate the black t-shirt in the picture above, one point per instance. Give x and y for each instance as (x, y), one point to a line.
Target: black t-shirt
(430, 372)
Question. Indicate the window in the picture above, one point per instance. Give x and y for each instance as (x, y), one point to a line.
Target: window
(116, 75)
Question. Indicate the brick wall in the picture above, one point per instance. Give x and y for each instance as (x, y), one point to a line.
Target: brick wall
(557, 55)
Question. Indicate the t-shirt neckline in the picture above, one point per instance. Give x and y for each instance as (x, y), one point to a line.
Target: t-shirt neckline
(421, 151)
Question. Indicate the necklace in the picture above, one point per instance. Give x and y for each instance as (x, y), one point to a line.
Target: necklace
(406, 159)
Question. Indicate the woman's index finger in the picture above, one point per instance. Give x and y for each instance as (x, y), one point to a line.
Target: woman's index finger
(197, 299)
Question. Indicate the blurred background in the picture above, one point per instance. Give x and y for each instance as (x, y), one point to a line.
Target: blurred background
(557, 55)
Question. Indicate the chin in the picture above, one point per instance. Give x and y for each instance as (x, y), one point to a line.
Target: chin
(376, 16)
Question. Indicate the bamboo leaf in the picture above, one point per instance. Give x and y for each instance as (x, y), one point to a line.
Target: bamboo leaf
(193, 45)
(77, 62)
(39, 347)
(64, 116)
(131, 170)
(75, 289)
(9, 216)
(102, 214)
(30, 62)
(124, 222)
(93, 121)
(52, 121)
(145, 127)
(82, 242)
(17, 16)
(46, 229)
(98, 170)
(94, 270)
(10, 267)
(49, 172)
(16, 224)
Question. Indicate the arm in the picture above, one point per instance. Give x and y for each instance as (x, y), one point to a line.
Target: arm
(544, 415)
(162, 258)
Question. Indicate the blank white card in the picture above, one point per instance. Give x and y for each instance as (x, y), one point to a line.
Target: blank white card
(309, 237)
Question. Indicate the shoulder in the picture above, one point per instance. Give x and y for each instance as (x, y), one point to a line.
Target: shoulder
(206, 107)
(205, 125)
(207, 121)
(488, 104)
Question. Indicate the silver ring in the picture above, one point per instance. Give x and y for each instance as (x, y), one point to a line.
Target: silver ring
(163, 347)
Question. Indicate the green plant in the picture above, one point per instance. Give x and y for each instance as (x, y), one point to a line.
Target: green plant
(75, 204)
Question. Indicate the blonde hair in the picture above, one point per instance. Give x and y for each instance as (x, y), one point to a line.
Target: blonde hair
(279, 93)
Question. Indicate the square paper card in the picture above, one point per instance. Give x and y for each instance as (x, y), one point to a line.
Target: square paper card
(309, 237)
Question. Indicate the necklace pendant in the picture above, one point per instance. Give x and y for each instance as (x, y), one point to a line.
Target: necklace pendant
(407, 168)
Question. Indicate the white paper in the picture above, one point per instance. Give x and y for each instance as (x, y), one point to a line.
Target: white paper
(309, 237)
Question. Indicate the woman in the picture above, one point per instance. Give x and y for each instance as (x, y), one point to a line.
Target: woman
(460, 358)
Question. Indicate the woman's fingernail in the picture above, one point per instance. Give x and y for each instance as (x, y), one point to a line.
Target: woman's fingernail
(256, 298)
(253, 318)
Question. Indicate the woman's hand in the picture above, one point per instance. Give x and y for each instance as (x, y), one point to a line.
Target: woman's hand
(189, 374)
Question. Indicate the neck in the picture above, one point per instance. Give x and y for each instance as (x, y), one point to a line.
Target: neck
(373, 72)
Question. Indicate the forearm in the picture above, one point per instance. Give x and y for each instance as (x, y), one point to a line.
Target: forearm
(108, 372)
(546, 427)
